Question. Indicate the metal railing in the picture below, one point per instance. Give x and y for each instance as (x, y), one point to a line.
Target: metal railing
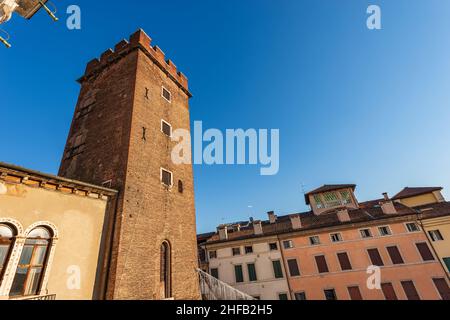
(47, 297)
(214, 289)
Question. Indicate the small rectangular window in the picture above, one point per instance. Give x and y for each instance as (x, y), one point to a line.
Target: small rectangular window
(236, 251)
(384, 231)
(294, 271)
(273, 246)
(375, 257)
(252, 272)
(215, 273)
(314, 241)
(166, 94)
(355, 293)
(366, 233)
(166, 178)
(388, 291)
(330, 294)
(395, 255)
(336, 237)
(300, 296)
(288, 244)
(344, 261)
(322, 265)
(277, 270)
(412, 227)
(436, 235)
(248, 249)
(442, 286)
(410, 290)
(213, 254)
(239, 274)
(425, 251)
(283, 296)
(166, 128)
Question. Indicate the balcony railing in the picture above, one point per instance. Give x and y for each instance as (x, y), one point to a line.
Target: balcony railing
(47, 297)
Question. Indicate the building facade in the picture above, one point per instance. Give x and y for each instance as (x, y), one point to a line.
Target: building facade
(332, 251)
(131, 100)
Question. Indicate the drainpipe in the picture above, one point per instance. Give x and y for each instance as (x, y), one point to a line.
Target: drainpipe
(286, 271)
(444, 267)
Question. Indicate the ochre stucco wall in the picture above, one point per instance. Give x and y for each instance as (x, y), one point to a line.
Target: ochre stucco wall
(79, 221)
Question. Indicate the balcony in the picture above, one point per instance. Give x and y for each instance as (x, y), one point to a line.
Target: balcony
(47, 297)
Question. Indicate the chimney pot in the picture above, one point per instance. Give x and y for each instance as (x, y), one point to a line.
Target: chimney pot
(223, 232)
(386, 196)
(272, 217)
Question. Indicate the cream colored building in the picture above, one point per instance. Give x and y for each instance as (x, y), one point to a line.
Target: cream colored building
(253, 266)
(53, 236)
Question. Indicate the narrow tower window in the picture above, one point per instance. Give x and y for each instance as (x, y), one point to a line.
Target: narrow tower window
(166, 94)
(166, 285)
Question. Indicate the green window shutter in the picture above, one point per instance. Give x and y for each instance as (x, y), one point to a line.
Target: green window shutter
(239, 274)
(447, 263)
(277, 269)
(252, 272)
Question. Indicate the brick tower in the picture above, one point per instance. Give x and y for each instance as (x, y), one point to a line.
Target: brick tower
(130, 99)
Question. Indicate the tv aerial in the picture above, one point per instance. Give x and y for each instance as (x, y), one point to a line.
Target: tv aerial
(26, 9)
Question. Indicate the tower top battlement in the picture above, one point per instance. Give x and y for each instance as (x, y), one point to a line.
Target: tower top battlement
(137, 41)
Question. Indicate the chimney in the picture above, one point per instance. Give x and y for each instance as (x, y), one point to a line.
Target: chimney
(272, 217)
(343, 215)
(223, 232)
(296, 222)
(257, 226)
(387, 205)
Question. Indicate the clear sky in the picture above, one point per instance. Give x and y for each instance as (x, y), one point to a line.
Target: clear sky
(352, 105)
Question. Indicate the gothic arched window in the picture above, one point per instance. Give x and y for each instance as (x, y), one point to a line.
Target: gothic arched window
(7, 235)
(28, 278)
(166, 285)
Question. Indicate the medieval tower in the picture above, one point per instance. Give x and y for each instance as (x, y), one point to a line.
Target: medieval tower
(130, 101)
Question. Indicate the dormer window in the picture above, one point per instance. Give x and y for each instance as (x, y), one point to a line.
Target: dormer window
(346, 197)
(331, 199)
(318, 200)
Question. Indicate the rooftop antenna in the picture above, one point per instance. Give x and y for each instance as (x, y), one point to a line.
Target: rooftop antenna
(26, 9)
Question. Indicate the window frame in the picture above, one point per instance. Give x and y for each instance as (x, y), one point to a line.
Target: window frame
(236, 266)
(281, 276)
(271, 244)
(348, 258)
(399, 252)
(317, 264)
(236, 254)
(10, 242)
(291, 244)
(249, 274)
(161, 177)
(379, 255)
(414, 223)
(170, 128)
(163, 88)
(212, 254)
(388, 228)
(301, 293)
(297, 266)
(334, 294)
(429, 251)
(340, 238)
(315, 244)
(211, 272)
(440, 236)
(364, 237)
(251, 251)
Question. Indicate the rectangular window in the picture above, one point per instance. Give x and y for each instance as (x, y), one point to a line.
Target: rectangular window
(273, 246)
(294, 271)
(346, 197)
(213, 254)
(375, 257)
(355, 293)
(236, 251)
(344, 261)
(248, 249)
(412, 227)
(410, 290)
(300, 296)
(166, 178)
(283, 296)
(425, 251)
(288, 244)
(447, 263)
(252, 272)
(215, 273)
(336, 237)
(366, 233)
(166, 128)
(166, 94)
(395, 255)
(384, 231)
(238, 274)
(331, 199)
(319, 202)
(436, 235)
(314, 241)
(330, 294)
(277, 270)
(442, 286)
(322, 265)
(388, 291)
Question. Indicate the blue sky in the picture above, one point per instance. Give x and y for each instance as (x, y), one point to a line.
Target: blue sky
(352, 105)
